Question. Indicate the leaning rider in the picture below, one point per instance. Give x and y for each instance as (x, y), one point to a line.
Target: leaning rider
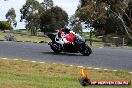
(69, 35)
(65, 36)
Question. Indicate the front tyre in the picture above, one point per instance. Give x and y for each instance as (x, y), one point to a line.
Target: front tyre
(85, 50)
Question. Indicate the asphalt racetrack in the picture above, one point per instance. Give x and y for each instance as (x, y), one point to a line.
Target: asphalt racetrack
(107, 58)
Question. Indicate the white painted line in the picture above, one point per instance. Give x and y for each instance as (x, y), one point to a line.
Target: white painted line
(115, 70)
(90, 67)
(100, 47)
(15, 59)
(130, 72)
(42, 62)
(63, 64)
(33, 61)
(4, 58)
(71, 65)
(96, 68)
(106, 69)
(24, 60)
(80, 66)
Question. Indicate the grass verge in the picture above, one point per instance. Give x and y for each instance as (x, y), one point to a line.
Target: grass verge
(25, 74)
(1, 35)
(25, 37)
(28, 38)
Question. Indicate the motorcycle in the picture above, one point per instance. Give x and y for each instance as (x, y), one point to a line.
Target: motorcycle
(78, 46)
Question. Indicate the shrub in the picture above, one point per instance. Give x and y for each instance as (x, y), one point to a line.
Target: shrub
(4, 25)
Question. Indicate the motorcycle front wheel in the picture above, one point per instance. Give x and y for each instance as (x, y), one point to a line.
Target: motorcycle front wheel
(85, 50)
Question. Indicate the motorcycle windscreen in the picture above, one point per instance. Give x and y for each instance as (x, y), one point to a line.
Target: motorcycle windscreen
(79, 40)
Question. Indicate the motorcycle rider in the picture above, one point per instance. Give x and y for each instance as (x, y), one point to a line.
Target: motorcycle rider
(68, 41)
(60, 37)
(69, 35)
(65, 36)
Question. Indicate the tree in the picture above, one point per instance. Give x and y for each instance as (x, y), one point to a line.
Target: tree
(47, 4)
(4, 25)
(119, 12)
(53, 19)
(77, 28)
(75, 24)
(11, 17)
(114, 25)
(99, 14)
(127, 16)
(31, 12)
(92, 12)
(83, 2)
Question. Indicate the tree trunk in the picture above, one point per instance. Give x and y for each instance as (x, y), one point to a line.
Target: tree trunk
(33, 32)
(125, 26)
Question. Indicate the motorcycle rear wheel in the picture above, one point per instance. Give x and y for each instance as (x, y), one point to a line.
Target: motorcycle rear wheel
(56, 48)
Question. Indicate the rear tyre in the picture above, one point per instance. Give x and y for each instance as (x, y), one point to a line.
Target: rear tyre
(56, 48)
(85, 50)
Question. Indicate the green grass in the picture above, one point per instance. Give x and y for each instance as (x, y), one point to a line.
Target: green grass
(24, 74)
(1, 35)
(87, 35)
(28, 38)
(21, 31)
(22, 36)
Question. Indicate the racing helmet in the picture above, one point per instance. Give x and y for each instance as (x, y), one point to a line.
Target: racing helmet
(66, 29)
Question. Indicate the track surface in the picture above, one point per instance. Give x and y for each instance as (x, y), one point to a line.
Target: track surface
(110, 58)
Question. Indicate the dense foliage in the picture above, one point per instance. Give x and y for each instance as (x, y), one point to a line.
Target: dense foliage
(43, 16)
(4, 25)
(53, 19)
(107, 16)
(11, 16)
(31, 12)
